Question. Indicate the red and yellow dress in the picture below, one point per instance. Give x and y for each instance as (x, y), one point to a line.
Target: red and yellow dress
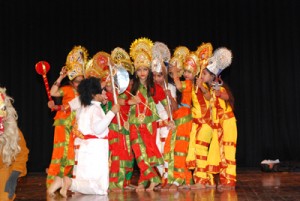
(221, 157)
(200, 139)
(62, 159)
(121, 155)
(177, 142)
(143, 130)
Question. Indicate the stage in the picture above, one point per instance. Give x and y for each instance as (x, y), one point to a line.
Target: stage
(252, 184)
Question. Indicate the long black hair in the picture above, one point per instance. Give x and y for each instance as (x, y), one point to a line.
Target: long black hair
(87, 89)
(178, 93)
(149, 84)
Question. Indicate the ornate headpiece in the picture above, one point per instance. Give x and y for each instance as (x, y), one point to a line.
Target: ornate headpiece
(204, 52)
(121, 57)
(160, 56)
(98, 66)
(140, 52)
(178, 58)
(76, 61)
(192, 63)
(220, 60)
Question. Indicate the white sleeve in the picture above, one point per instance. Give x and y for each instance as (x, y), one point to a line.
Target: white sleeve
(75, 103)
(100, 123)
(172, 88)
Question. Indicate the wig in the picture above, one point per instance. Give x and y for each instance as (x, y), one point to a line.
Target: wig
(87, 89)
(9, 147)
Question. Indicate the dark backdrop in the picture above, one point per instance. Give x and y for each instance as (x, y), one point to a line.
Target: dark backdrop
(262, 34)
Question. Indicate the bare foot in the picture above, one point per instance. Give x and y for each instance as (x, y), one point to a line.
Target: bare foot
(130, 187)
(65, 187)
(173, 187)
(151, 186)
(184, 187)
(198, 186)
(210, 185)
(56, 184)
(117, 190)
(165, 187)
(157, 187)
(140, 188)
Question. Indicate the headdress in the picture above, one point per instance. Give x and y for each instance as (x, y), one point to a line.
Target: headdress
(98, 66)
(192, 63)
(121, 57)
(204, 52)
(179, 57)
(160, 57)
(76, 61)
(140, 52)
(220, 60)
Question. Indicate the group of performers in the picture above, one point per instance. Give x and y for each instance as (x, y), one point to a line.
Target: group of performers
(174, 118)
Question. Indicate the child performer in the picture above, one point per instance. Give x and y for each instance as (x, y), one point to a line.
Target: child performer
(143, 115)
(91, 172)
(221, 101)
(121, 167)
(176, 147)
(201, 133)
(160, 58)
(62, 160)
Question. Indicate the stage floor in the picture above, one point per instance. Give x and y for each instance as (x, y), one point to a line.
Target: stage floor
(252, 184)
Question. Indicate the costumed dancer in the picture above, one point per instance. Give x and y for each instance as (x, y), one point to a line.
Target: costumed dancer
(62, 159)
(143, 115)
(121, 156)
(223, 120)
(160, 58)
(201, 134)
(176, 148)
(13, 150)
(91, 172)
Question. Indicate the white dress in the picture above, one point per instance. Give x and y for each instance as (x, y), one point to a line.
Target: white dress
(163, 132)
(91, 171)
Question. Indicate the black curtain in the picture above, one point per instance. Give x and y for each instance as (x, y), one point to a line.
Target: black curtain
(263, 36)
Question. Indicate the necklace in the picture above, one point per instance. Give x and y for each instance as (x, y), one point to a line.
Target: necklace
(125, 123)
(141, 116)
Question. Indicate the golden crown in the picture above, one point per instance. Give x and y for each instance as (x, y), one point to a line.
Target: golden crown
(192, 63)
(76, 61)
(121, 57)
(140, 52)
(204, 52)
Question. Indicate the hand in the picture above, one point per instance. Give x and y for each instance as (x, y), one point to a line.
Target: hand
(171, 125)
(63, 72)
(115, 108)
(136, 99)
(11, 184)
(51, 104)
(199, 82)
(168, 93)
(218, 93)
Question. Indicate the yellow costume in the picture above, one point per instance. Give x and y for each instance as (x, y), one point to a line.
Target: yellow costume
(225, 147)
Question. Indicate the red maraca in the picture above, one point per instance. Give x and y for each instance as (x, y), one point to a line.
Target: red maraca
(42, 68)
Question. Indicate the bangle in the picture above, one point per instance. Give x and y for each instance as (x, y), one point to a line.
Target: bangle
(57, 84)
(57, 107)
